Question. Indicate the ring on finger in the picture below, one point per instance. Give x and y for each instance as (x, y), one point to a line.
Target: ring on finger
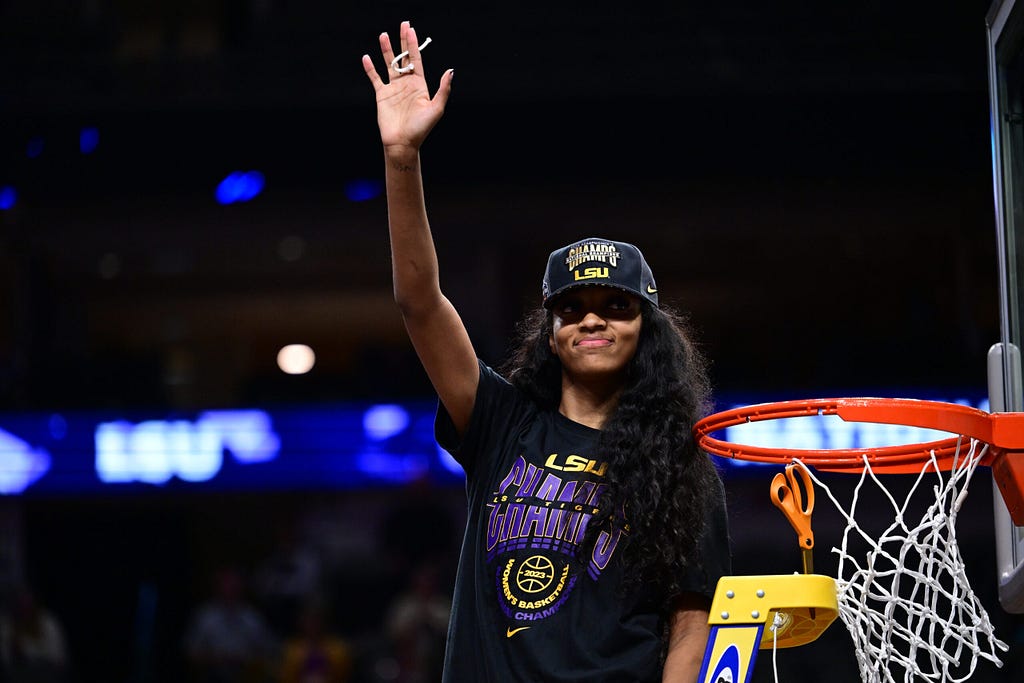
(409, 67)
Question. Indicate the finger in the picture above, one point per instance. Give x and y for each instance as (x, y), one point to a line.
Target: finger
(371, 73)
(403, 34)
(444, 89)
(385, 49)
(414, 50)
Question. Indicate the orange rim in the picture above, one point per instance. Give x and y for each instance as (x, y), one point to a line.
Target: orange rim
(1002, 431)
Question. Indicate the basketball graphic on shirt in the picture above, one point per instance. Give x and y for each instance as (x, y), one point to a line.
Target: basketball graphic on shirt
(536, 521)
(535, 574)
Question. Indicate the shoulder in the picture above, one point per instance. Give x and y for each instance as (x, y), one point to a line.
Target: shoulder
(499, 409)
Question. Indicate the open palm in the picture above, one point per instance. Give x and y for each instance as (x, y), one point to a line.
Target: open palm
(405, 110)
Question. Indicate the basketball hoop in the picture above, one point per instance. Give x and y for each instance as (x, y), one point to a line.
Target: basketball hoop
(1002, 432)
(907, 601)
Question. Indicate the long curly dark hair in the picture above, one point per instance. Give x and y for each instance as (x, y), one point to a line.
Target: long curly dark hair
(656, 473)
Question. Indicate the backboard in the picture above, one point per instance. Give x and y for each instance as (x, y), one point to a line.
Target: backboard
(1005, 23)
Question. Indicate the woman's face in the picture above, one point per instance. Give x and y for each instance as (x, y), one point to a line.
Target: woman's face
(595, 331)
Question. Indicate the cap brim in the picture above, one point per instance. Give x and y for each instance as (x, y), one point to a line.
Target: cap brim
(550, 300)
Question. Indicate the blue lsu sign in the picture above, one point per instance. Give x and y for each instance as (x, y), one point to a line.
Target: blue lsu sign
(325, 446)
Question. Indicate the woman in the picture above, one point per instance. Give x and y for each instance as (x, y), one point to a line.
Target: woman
(596, 528)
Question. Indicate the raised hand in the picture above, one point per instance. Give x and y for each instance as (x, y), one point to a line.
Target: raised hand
(406, 112)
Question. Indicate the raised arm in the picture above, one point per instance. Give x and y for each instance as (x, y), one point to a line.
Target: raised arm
(405, 115)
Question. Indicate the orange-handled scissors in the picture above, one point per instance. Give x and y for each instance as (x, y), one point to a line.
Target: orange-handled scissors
(787, 497)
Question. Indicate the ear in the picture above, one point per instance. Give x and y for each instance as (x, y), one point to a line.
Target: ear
(551, 344)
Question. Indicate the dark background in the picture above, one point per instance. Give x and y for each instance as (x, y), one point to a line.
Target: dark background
(810, 182)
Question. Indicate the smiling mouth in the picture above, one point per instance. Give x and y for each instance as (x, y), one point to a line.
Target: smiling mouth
(594, 343)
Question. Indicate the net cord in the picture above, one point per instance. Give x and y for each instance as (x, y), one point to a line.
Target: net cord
(928, 615)
(776, 625)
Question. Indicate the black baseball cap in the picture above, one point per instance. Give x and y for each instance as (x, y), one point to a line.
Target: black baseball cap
(601, 262)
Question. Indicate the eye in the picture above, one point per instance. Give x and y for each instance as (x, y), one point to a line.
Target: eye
(618, 303)
(567, 306)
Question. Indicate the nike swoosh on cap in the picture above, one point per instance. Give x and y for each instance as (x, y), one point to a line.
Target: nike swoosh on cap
(652, 290)
(512, 631)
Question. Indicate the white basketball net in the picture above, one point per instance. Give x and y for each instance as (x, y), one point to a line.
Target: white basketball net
(907, 601)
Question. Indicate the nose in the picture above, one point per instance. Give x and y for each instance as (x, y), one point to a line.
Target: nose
(592, 321)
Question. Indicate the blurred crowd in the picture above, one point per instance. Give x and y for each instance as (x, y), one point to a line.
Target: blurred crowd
(354, 591)
(234, 638)
(230, 639)
(32, 644)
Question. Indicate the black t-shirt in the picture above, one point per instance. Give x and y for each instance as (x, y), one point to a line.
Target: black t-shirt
(523, 608)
